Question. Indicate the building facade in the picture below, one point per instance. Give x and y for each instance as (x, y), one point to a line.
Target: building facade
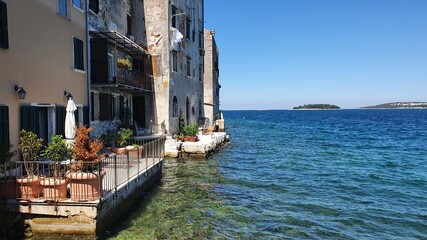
(121, 80)
(43, 53)
(211, 76)
(175, 42)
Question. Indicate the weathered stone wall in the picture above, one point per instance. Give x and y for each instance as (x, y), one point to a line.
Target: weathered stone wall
(168, 83)
(211, 75)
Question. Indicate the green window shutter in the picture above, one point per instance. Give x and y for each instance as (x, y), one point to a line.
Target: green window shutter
(86, 115)
(4, 38)
(78, 54)
(60, 120)
(29, 121)
(4, 125)
(104, 107)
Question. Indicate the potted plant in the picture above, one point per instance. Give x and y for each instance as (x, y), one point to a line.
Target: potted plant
(190, 133)
(85, 176)
(7, 184)
(123, 136)
(124, 63)
(30, 145)
(55, 186)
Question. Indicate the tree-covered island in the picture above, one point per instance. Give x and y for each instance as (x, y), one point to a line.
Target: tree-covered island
(317, 107)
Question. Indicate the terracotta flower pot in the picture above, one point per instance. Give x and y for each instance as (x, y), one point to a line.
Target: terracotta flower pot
(190, 139)
(85, 186)
(7, 188)
(118, 151)
(54, 189)
(28, 188)
(136, 153)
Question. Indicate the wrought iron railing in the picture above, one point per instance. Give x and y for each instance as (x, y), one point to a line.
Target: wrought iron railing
(133, 78)
(76, 181)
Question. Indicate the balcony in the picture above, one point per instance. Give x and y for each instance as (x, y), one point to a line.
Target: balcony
(126, 78)
(106, 49)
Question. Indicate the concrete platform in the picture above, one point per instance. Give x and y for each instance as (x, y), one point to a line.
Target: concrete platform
(206, 145)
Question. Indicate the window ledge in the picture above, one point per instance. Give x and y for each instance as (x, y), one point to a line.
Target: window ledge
(78, 9)
(79, 71)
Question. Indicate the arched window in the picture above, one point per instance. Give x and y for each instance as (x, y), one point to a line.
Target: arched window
(175, 107)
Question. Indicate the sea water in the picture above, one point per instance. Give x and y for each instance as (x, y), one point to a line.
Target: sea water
(341, 174)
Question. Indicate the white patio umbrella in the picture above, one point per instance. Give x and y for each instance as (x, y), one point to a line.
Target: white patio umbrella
(70, 122)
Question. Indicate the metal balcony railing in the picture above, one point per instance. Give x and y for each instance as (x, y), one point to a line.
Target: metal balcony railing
(133, 78)
(56, 182)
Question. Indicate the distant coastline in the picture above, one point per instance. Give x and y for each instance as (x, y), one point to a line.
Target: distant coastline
(317, 107)
(399, 105)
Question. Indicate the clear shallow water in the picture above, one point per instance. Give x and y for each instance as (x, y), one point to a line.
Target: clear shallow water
(348, 174)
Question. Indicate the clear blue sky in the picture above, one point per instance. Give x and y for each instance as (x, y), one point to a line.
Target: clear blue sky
(277, 54)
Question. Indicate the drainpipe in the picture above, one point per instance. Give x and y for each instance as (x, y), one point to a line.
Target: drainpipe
(88, 72)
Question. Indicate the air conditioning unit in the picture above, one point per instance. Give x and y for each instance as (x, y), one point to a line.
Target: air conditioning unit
(132, 38)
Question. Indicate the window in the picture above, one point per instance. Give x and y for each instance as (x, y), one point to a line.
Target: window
(174, 61)
(63, 8)
(201, 73)
(78, 4)
(201, 10)
(188, 29)
(94, 5)
(129, 24)
(111, 67)
(173, 16)
(78, 54)
(188, 67)
(40, 119)
(175, 107)
(201, 39)
(4, 38)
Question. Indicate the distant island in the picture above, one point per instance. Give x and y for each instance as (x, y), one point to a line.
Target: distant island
(317, 107)
(400, 105)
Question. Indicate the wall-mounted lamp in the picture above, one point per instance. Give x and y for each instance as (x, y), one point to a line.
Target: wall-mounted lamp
(68, 95)
(21, 92)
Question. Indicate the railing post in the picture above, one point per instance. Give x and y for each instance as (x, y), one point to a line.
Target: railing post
(137, 163)
(101, 191)
(115, 174)
(128, 168)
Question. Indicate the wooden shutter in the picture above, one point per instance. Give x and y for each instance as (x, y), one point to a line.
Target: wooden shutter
(4, 125)
(121, 108)
(60, 120)
(29, 120)
(104, 107)
(4, 38)
(99, 60)
(86, 115)
(78, 54)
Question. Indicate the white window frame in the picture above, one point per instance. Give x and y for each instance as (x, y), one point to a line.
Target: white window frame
(51, 118)
(80, 8)
(67, 8)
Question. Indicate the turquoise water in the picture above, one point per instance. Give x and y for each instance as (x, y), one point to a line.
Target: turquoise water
(347, 174)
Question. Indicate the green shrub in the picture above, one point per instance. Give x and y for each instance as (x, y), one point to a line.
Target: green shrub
(190, 130)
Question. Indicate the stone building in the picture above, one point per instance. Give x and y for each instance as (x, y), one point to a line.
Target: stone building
(120, 73)
(175, 42)
(42, 53)
(211, 76)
